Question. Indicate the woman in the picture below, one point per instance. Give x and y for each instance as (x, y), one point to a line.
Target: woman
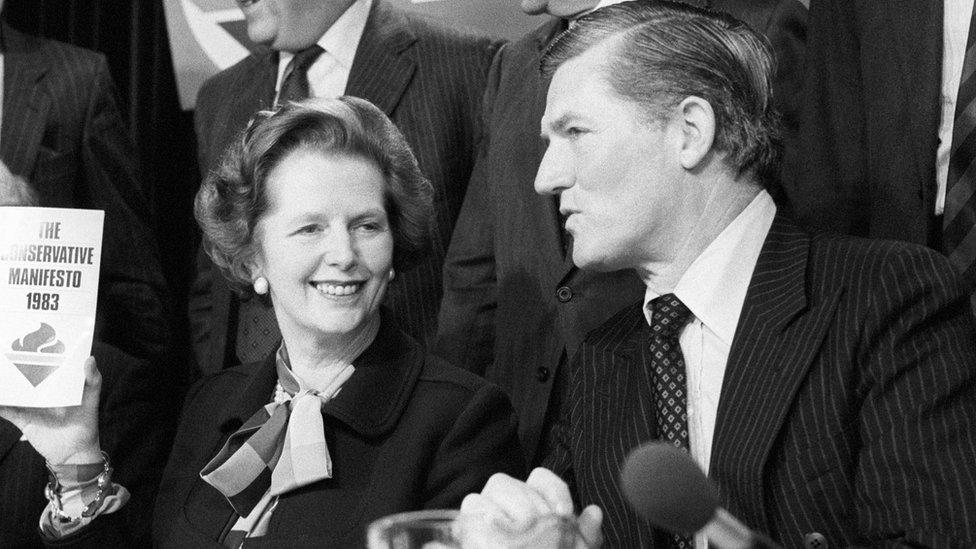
(349, 419)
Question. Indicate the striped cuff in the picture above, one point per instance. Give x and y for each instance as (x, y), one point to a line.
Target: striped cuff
(79, 487)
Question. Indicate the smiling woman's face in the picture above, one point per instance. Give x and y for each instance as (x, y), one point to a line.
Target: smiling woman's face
(325, 244)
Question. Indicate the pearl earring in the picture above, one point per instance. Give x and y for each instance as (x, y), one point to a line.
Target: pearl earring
(261, 285)
(392, 273)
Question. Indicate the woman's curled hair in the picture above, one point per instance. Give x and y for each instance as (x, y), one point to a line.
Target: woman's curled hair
(233, 198)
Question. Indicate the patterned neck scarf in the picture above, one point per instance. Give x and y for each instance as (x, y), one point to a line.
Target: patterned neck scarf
(279, 449)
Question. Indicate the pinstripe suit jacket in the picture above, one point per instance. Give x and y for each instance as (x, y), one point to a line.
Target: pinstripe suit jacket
(62, 132)
(848, 406)
(428, 80)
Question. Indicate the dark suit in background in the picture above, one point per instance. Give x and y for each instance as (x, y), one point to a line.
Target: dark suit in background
(63, 134)
(869, 122)
(848, 407)
(428, 80)
(515, 307)
(137, 416)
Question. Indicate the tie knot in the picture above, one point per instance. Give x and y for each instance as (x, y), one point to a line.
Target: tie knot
(668, 315)
(304, 58)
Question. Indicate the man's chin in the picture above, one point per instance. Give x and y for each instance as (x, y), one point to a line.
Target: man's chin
(591, 262)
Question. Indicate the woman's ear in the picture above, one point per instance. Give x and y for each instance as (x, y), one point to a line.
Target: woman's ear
(697, 125)
(255, 270)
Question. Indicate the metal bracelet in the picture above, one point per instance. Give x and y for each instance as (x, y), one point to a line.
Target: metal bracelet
(52, 491)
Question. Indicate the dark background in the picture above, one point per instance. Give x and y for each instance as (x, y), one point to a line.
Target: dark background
(132, 35)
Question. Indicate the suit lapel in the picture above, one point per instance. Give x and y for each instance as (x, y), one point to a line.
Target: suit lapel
(25, 106)
(254, 93)
(383, 67)
(778, 335)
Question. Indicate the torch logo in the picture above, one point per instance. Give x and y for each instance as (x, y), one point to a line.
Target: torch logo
(37, 354)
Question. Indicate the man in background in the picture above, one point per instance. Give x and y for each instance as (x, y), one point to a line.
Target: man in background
(888, 125)
(515, 307)
(426, 77)
(61, 131)
(137, 419)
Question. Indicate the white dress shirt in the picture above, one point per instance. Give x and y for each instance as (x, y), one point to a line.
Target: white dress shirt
(714, 289)
(955, 30)
(328, 75)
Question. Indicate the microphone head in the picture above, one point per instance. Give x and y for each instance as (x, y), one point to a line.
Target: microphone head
(665, 487)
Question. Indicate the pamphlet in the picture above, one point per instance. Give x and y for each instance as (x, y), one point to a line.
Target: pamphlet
(49, 261)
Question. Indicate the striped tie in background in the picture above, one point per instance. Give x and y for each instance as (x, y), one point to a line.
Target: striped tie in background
(959, 221)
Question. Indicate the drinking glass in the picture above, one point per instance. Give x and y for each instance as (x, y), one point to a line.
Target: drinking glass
(449, 529)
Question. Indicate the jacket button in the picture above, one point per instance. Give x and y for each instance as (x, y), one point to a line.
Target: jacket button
(542, 373)
(564, 294)
(815, 540)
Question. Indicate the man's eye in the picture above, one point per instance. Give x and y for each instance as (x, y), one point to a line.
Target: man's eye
(369, 227)
(574, 131)
(309, 229)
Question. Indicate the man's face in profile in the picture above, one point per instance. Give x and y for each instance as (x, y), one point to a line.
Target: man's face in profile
(559, 8)
(614, 170)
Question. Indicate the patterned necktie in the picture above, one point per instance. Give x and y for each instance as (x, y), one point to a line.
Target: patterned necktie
(959, 219)
(668, 316)
(257, 330)
(295, 87)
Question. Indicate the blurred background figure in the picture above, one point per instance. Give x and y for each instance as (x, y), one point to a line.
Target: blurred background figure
(887, 140)
(61, 131)
(515, 307)
(426, 77)
(136, 423)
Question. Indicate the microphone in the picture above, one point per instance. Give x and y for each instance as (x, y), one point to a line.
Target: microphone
(665, 487)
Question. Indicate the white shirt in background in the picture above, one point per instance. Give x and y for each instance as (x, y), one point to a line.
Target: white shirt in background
(328, 75)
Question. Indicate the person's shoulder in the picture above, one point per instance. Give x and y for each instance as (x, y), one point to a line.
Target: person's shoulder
(439, 372)
(431, 34)
(854, 254)
(881, 271)
(62, 56)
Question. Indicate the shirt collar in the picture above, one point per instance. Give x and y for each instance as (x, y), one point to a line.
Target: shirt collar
(341, 40)
(714, 286)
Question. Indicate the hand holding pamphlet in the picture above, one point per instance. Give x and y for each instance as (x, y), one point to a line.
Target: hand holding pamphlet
(49, 264)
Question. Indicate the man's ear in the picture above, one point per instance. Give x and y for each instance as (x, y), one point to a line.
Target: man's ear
(697, 125)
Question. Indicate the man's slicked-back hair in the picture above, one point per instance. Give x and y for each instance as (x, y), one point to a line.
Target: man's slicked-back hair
(660, 52)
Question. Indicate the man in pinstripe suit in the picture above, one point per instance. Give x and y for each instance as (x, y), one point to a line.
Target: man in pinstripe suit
(515, 309)
(826, 384)
(427, 78)
(62, 132)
